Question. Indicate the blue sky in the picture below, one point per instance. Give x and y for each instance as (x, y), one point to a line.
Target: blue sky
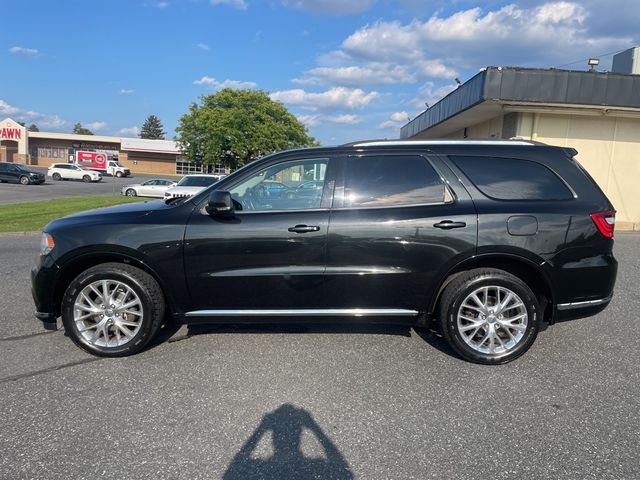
(348, 69)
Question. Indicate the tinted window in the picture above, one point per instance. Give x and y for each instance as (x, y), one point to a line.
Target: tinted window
(3, 167)
(394, 180)
(513, 179)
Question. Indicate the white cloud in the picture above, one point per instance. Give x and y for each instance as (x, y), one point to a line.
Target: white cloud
(6, 109)
(318, 119)
(353, 76)
(238, 4)
(129, 131)
(334, 98)
(28, 52)
(126, 91)
(545, 34)
(216, 85)
(29, 116)
(430, 94)
(203, 46)
(330, 6)
(347, 119)
(162, 4)
(96, 125)
(395, 121)
(310, 120)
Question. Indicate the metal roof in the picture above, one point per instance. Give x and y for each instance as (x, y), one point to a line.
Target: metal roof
(531, 85)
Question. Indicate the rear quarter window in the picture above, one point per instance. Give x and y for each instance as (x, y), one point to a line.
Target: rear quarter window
(512, 178)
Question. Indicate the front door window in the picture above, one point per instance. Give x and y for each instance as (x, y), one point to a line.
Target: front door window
(294, 185)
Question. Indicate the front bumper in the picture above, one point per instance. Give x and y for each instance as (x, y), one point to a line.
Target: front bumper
(43, 292)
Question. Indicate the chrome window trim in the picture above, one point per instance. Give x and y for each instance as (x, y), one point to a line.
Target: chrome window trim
(385, 143)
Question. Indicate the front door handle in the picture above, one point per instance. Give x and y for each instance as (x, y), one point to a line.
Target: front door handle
(449, 224)
(304, 228)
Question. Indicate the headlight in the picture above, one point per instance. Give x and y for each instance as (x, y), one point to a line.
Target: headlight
(46, 244)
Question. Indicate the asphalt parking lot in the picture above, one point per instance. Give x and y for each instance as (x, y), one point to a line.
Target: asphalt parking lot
(16, 193)
(319, 401)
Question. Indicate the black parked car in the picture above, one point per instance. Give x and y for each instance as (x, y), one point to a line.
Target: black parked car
(487, 239)
(16, 173)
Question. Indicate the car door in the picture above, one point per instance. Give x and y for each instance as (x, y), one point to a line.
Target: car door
(398, 220)
(4, 172)
(147, 188)
(73, 172)
(271, 253)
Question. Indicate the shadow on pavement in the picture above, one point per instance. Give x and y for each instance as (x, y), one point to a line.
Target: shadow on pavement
(283, 457)
(299, 327)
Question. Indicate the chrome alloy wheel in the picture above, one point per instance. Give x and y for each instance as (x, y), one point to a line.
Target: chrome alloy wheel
(108, 313)
(492, 320)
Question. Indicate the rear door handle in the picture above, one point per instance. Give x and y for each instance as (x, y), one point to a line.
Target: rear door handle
(304, 228)
(449, 224)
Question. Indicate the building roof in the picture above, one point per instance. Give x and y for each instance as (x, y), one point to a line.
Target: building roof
(152, 146)
(74, 137)
(497, 86)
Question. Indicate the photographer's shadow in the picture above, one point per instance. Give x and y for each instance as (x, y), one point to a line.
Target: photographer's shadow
(286, 458)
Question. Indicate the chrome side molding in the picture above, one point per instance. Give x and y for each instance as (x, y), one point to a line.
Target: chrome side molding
(310, 312)
(587, 303)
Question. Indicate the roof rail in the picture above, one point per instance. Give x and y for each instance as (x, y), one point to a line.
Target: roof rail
(383, 143)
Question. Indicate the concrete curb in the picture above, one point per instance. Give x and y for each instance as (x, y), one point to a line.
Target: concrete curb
(19, 234)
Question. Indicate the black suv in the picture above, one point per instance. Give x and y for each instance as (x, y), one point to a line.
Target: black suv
(487, 239)
(14, 172)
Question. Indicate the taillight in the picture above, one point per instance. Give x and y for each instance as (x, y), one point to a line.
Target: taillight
(605, 222)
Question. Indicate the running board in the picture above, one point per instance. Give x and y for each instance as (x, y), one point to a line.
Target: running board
(311, 312)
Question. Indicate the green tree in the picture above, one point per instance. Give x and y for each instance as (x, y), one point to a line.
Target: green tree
(235, 127)
(152, 128)
(33, 128)
(78, 129)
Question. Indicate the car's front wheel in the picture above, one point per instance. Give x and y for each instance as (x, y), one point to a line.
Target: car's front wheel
(131, 192)
(119, 174)
(24, 180)
(112, 309)
(489, 316)
(86, 178)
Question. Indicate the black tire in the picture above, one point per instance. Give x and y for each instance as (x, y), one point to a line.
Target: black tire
(56, 176)
(24, 180)
(462, 286)
(138, 280)
(130, 192)
(119, 174)
(86, 179)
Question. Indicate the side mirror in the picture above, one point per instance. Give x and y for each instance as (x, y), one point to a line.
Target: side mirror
(220, 203)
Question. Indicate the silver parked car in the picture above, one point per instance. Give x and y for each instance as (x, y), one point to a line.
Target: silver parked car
(151, 188)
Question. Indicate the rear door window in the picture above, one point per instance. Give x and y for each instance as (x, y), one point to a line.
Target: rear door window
(512, 178)
(393, 180)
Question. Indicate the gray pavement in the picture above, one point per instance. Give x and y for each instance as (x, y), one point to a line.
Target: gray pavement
(16, 193)
(364, 402)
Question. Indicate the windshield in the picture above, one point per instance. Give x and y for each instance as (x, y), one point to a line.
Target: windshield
(197, 181)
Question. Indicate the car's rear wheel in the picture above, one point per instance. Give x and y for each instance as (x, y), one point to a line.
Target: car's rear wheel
(131, 192)
(489, 316)
(24, 180)
(112, 309)
(86, 178)
(56, 176)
